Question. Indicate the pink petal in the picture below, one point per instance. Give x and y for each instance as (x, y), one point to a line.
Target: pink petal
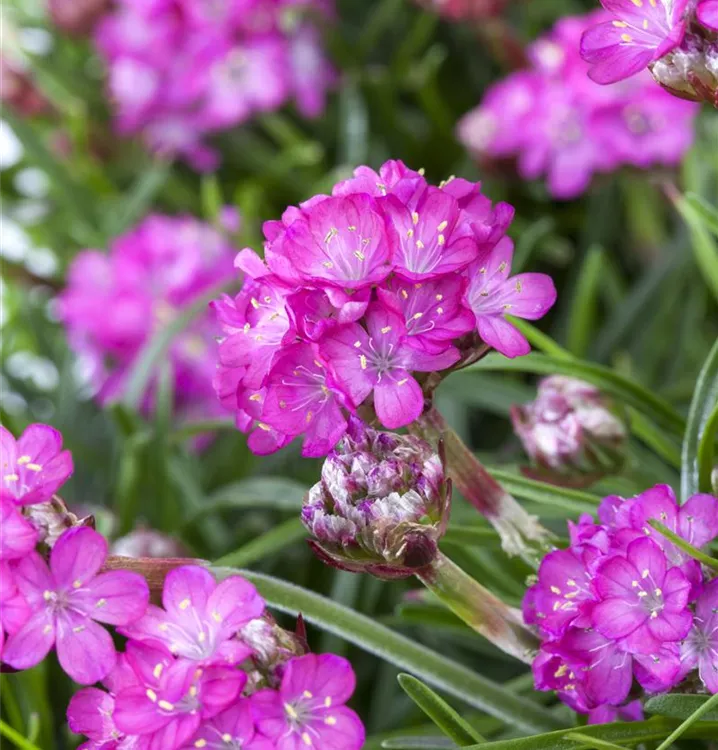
(33, 578)
(117, 597)
(77, 556)
(41, 442)
(346, 731)
(84, 649)
(617, 618)
(220, 687)
(8, 449)
(17, 535)
(615, 578)
(398, 399)
(235, 601)
(32, 643)
(670, 626)
(502, 336)
(323, 675)
(708, 15)
(648, 559)
(698, 520)
(324, 432)
(339, 349)
(135, 713)
(533, 295)
(88, 713)
(174, 734)
(187, 588)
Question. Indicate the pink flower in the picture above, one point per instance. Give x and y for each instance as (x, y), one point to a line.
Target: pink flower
(90, 713)
(379, 360)
(308, 710)
(17, 535)
(492, 294)
(632, 711)
(68, 599)
(233, 728)
(640, 599)
(700, 647)
(707, 13)
(164, 700)
(200, 617)
(14, 610)
(638, 34)
(35, 466)
(115, 302)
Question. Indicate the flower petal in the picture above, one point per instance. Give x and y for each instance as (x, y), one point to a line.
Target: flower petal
(77, 557)
(398, 399)
(234, 603)
(84, 649)
(32, 643)
(89, 713)
(118, 597)
(187, 588)
(617, 618)
(323, 675)
(502, 336)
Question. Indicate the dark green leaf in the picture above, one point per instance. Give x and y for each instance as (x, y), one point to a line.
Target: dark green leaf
(679, 706)
(269, 543)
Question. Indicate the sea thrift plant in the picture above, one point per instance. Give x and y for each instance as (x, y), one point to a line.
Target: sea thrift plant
(623, 608)
(360, 297)
(674, 39)
(571, 432)
(114, 302)
(560, 125)
(180, 72)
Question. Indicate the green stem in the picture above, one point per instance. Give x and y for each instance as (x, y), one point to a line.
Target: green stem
(479, 608)
(521, 534)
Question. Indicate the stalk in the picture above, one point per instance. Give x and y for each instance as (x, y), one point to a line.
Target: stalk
(479, 608)
(521, 534)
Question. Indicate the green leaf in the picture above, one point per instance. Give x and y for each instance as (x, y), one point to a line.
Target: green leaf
(575, 501)
(695, 478)
(706, 451)
(439, 711)
(146, 362)
(593, 742)
(697, 715)
(628, 391)
(582, 315)
(444, 674)
(257, 492)
(16, 737)
(192, 429)
(708, 213)
(705, 248)
(417, 743)
(269, 543)
(211, 196)
(679, 706)
(540, 340)
(139, 197)
(628, 734)
(681, 543)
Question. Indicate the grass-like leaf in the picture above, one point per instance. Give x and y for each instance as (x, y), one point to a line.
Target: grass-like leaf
(439, 671)
(705, 248)
(439, 711)
(574, 501)
(705, 399)
(269, 543)
(680, 706)
(682, 544)
(695, 717)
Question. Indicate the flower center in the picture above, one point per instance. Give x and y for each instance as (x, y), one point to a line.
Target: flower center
(649, 594)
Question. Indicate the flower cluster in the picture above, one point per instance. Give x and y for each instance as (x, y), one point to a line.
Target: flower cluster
(209, 668)
(387, 277)
(559, 124)
(381, 506)
(180, 70)
(114, 303)
(571, 432)
(464, 10)
(675, 39)
(624, 604)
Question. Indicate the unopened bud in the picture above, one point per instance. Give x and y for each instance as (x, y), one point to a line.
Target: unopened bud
(147, 543)
(53, 518)
(571, 432)
(272, 645)
(381, 506)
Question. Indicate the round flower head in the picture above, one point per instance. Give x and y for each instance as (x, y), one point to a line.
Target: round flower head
(381, 506)
(570, 432)
(308, 710)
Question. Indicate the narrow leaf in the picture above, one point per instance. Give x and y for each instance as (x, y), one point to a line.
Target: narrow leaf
(439, 711)
(593, 742)
(705, 398)
(418, 743)
(16, 737)
(273, 541)
(139, 197)
(679, 706)
(682, 544)
(582, 314)
(542, 493)
(708, 213)
(705, 248)
(444, 674)
(697, 715)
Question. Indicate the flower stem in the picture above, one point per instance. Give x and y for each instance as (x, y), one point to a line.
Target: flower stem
(479, 608)
(521, 534)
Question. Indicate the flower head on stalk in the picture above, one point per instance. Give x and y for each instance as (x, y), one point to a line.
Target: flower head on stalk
(381, 506)
(623, 604)
(571, 432)
(674, 39)
(360, 297)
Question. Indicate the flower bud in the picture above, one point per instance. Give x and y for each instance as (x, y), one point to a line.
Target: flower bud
(571, 432)
(147, 543)
(53, 518)
(381, 506)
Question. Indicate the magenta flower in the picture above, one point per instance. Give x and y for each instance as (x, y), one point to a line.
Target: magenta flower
(640, 600)
(302, 400)
(632, 711)
(35, 466)
(17, 535)
(308, 710)
(492, 295)
(707, 13)
(115, 302)
(200, 617)
(640, 33)
(233, 728)
(380, 361)
(14, 610)
(700, 647)
(68, 599)
(314, 313)
(90, 713)
(169, 698)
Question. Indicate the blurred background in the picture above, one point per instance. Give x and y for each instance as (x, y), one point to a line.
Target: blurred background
(77, 171)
